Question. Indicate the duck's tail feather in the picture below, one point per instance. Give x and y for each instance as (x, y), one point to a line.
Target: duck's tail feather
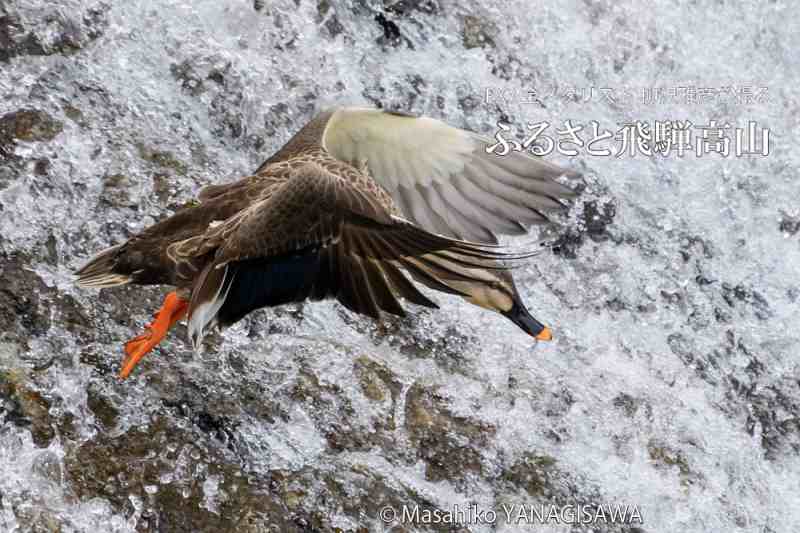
(208, 296)
(99, 272)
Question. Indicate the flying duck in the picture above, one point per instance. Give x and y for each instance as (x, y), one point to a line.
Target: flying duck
(355, 206)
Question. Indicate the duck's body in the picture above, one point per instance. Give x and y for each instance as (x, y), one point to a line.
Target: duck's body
(354, 203)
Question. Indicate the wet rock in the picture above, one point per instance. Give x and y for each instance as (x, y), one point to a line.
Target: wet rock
(22, 405)
(627, 403)
(533, 473)
(775, 415)
(558, 402)
(408, 335)
(333, 414)
(162, 159)
(398, 96)
(381, 386)
(789, 224)
(35, 516)
(667, 457)
(406, 7)
(615, 304)
(373, 388)
(736, 294)
(42, 167)
(506, 66)
(28, 306)
(215, 421)
(216, 79)
(165, 187)
(391, 32)
(230, 122)
(478, 32)
(71, 315)
(53, 31)
(278, 118)
(27, 125)
(705, 366)
(696, 246)
(449, 444)
(567, 244)
(358, 491)
(116, 190)
(20, 290)
(469, 102)
(75, 115)
(151, 464)
(546, 483)
(189, 79)
(327, 13)
(101, 406)
(14, 39)
(595, 218)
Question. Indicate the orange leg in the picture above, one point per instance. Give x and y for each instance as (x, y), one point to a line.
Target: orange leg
(173, 309)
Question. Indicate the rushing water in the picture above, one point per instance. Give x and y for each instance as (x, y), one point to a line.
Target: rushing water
(672, 383)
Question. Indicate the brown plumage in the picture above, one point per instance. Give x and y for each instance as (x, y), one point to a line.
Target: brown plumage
(352, 206)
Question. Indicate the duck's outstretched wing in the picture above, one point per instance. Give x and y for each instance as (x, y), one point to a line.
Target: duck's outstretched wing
(442, 177)
(319, 235)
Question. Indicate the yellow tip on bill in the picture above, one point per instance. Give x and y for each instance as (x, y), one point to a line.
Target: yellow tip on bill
(545, 334)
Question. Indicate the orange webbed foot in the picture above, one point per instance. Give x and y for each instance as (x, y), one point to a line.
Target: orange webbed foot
(173, 309)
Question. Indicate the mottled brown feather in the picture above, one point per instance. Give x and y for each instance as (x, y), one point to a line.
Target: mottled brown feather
(318, 194)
